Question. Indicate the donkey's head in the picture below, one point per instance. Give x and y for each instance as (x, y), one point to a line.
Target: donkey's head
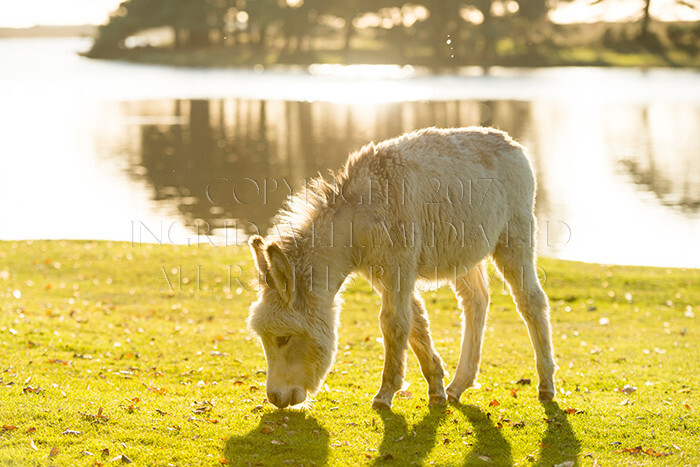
(298, 337)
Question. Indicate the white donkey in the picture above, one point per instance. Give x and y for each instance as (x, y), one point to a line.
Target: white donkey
(428, 205)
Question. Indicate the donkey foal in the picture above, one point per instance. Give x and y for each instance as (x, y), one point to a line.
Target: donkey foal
(430, 205)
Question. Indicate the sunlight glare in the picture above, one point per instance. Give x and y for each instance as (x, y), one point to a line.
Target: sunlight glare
(583, 11)
(50, 12)
(365, 83)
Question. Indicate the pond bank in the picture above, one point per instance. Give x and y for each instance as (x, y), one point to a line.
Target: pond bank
(227, 57)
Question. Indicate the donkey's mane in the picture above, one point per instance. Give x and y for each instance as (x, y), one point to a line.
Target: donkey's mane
(315, 203)
(308, 208)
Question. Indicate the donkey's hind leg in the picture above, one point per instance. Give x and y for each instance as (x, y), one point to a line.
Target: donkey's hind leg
(473, 296)
(422, 345)
(514, 257)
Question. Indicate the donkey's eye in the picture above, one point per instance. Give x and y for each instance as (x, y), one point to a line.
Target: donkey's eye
(282, 340)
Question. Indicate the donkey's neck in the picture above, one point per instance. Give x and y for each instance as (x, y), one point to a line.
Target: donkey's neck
(322, 254)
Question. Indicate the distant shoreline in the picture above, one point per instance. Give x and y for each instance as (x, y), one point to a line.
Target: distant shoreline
(215, 57)
(221, 57)
(46, 31)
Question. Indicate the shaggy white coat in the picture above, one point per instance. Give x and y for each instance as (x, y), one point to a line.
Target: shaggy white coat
(426, 206)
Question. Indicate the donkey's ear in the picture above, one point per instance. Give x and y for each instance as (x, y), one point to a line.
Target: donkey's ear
(257, 247)
(282, 273)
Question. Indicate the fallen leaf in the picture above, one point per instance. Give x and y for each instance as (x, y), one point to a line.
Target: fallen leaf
(267, 429)
(494, 403)
(54, 452)
(99, 416)
(160, 391)
(57, 361)
(8, 427)
(71, 432)
(523, 381)
(627, 389)
(565, 464)
(32, 445)
(277, 442)
(223, 461)
(202, 407)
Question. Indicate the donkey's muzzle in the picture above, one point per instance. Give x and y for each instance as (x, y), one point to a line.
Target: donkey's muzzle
(285, 398)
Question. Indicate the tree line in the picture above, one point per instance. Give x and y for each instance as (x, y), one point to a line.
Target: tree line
(439, 31)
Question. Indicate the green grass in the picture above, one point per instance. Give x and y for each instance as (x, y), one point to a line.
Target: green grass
(92, 339)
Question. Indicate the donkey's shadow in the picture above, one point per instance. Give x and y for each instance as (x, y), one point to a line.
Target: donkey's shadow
(281, 437)
(559, 443)
(417, 442)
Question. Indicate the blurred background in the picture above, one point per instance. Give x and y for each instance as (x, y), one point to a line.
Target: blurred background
(185, 121)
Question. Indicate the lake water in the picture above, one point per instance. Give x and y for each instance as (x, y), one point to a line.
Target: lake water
(110, 150)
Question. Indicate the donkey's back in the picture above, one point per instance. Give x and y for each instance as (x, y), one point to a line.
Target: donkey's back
(449, 195)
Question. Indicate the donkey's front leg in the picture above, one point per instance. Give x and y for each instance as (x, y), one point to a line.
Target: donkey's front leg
(395, 321)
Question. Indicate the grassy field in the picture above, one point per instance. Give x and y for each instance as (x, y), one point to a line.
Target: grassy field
(113, 353)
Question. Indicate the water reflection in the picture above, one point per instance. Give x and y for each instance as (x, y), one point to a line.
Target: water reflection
(230, 163)
(662, 159)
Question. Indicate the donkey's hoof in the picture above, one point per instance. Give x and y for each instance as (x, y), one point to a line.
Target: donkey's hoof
(452, 399)
(546, 396)
(437, 399)
(380, 405)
